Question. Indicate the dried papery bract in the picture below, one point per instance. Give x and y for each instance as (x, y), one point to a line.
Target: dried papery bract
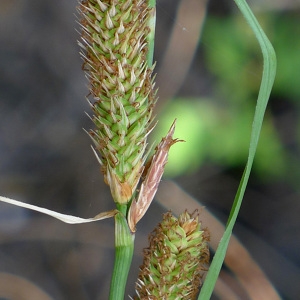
(114, 50)
(175, 260)
(152, 179)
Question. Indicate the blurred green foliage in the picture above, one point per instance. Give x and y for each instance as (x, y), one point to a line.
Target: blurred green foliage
(218, 135)
(217, 129)
(286, 41)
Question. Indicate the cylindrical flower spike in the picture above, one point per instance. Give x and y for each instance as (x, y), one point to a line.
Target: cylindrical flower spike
(114, 43)
(175, 260)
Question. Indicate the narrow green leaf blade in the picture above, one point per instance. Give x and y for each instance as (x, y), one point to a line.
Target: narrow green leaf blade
(268, 76)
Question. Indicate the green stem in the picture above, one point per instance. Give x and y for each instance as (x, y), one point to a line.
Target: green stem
(124, 246)
(150, 38)
(122, 208)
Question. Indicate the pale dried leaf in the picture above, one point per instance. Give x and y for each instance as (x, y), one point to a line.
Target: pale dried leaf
(62, 217)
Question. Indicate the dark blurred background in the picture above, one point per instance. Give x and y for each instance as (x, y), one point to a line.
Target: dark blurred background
(209, 69)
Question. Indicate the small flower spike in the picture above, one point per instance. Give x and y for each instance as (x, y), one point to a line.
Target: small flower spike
(175, 260)
(114, 49)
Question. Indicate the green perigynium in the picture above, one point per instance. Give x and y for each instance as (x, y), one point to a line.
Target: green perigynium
(114, 43)
(175, 260)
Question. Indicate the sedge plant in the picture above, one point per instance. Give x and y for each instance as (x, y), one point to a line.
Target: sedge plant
(117, 42)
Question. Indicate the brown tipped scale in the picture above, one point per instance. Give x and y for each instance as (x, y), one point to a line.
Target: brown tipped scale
(114, 50)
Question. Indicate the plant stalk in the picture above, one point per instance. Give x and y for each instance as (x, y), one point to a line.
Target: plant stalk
(124, 247)
(151, 35)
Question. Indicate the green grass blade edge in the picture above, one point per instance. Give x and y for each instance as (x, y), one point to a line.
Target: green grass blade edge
(268, 76)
